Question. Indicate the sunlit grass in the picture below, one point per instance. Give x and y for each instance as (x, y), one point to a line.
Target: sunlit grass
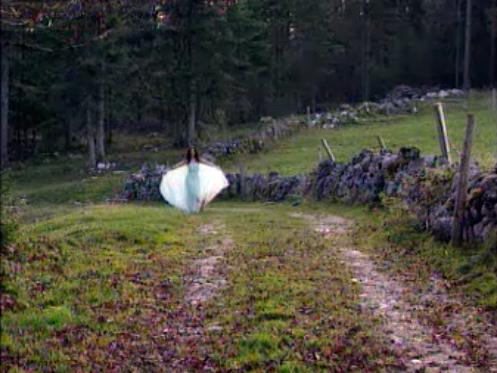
(394, 236)
(84, 275)
(75, 276)
(290, 304)
(63, 180)
(300, 153)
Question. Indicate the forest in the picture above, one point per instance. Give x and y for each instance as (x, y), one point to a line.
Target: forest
(77, 69)
(248, 186)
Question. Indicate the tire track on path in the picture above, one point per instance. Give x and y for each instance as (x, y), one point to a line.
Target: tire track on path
(206, 279)
(422, 346)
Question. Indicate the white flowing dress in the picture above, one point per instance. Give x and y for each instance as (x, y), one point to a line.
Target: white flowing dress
(192, 186)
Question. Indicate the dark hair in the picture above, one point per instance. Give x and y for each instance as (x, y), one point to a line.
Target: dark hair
(192, 154)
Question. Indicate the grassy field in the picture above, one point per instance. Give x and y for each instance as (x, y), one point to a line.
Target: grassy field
(58, 180)
(101, 286)
(291, 306)
(54, 180)
(61, 179)
(299, 154)
(81, 281)
(75, 280)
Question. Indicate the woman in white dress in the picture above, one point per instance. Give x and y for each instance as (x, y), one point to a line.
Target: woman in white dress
(193, 183)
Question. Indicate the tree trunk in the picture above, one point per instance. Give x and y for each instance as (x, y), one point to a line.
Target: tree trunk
(25, 139)
(298, 100)
(190, 134)
(162, 115)
(367, 88)
(108, 122)
(5, 108)
(366, 41)
(139, 107)
(33, 140)
(108, 132)
(457, 67)
(493, 40)
(18, 146)
(191, 116)
(314, 100)
(90, 136)
(467, 48)
(101, 124)
(68, 134)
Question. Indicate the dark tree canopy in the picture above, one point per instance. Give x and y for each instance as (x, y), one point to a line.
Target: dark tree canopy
(77, 69)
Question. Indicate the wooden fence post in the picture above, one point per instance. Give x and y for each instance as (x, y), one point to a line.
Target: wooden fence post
(462, 184)
(381, 142)
(326, 147)
(308, 116)
(443, 138)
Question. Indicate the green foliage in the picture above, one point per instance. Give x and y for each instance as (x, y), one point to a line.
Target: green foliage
(245, 58)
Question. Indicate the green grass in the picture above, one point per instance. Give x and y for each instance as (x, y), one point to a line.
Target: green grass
(52, 181)
(89, 278)
(84, 279)
(76, 275)
(92, 278)
(300, 153)
(290, 305)
(394, 237)
(63, 180)
(395, 240)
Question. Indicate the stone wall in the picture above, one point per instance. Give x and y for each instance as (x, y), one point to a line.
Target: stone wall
(401, 100)
(425, 184)
(272, 187)
(144, 184)
(272, 131)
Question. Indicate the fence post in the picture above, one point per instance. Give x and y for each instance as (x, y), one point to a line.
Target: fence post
(443, 138)
(308, 116)
(326, 147)
(462, 184)
(381, 142)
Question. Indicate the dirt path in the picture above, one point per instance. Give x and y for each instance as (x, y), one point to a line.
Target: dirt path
(203, 281)
(171, 333)
(423, 347)
(206, 278)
